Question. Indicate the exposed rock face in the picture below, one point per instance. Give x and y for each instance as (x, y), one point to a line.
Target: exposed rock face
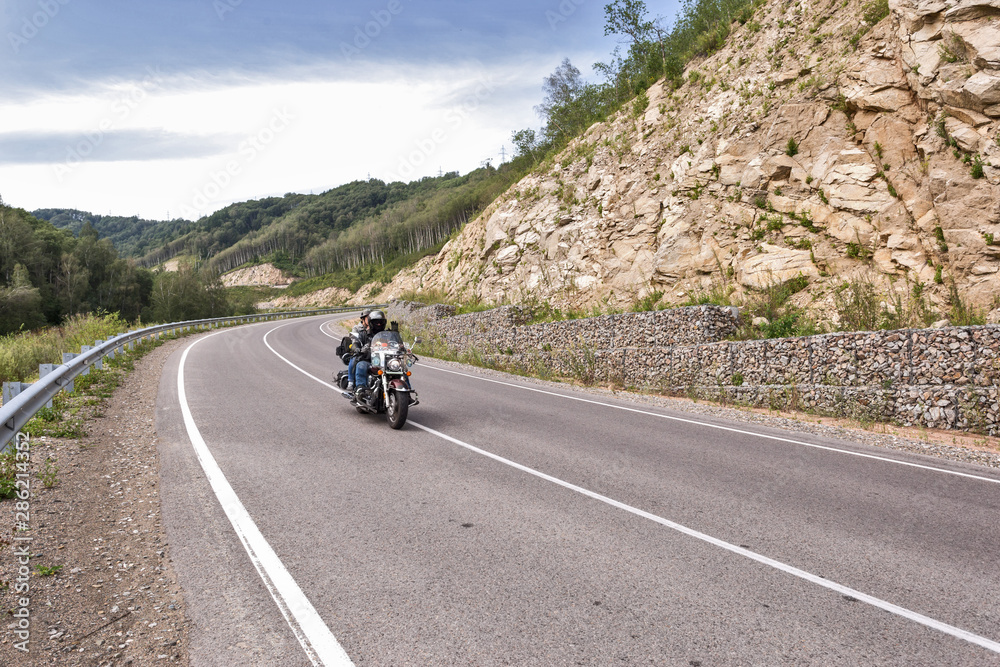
(331, 296)
(788, 153)
(266, 275)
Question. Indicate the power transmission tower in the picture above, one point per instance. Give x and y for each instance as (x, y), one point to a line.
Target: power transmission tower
(503, 154)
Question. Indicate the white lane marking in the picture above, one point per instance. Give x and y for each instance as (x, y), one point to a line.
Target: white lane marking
(959, 633)
(301, 370)
(696, 422)
(730, 429)
(927, 621)
(320, 645)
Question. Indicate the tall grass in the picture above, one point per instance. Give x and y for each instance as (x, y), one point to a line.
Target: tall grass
(21, 353)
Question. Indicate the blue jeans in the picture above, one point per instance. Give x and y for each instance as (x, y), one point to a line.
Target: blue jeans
(360, 377)
(350, 369)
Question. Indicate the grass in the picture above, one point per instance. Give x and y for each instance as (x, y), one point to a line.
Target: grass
(783, 318)
(8, 474)
(860, 307)
(21, 353)
(49, 474)
(69, 412)
(353, 279)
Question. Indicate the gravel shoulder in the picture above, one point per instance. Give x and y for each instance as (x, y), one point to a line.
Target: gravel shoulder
(112, 597)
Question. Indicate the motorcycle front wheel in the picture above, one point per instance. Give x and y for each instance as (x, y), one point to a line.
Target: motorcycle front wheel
(395, 409)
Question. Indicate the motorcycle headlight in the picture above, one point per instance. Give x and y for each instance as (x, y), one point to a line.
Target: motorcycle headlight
(394, 365)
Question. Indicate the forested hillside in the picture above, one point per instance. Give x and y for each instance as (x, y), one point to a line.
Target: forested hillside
(48, 274)
(132, 236)
(360, 222)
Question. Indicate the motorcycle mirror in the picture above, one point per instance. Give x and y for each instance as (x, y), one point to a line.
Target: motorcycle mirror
(418, 340)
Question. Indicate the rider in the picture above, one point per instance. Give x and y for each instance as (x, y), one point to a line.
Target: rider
(376, 323)
(356, 334)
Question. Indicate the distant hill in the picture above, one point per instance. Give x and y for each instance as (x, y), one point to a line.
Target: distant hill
(360, 223)
(364, 222)
(132, 236)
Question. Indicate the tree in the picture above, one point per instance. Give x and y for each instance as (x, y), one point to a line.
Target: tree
(627, 17)
(525, 143)
(20, 304)
(561, 88)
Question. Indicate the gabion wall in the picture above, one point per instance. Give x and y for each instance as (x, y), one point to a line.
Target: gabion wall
(939, 378)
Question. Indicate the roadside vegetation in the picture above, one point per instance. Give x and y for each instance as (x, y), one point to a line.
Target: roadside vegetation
(766, 313)
(21, 353)
(49, 276)
(68, 416)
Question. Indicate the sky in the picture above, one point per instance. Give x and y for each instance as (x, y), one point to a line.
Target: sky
(178, 108)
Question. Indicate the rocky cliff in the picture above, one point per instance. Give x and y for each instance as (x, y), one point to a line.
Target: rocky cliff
(813, 144)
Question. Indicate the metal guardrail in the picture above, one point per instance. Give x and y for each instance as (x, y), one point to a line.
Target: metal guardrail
(23, 401)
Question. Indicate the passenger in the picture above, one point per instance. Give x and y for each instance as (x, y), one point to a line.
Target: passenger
(376, 323)
(356, 334)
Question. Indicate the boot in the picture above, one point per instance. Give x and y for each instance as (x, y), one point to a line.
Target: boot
(350, 387)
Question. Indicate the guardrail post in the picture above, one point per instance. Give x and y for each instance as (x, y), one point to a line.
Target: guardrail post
(68, 357)
(99, 364)
(12, 389)
(84, 349)
(43, 370)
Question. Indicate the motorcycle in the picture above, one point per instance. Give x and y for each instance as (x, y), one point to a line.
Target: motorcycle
(388, 390)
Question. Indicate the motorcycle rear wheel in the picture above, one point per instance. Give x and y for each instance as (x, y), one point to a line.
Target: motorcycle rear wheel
(395, 409)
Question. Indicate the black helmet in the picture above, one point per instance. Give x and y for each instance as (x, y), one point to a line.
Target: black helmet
(376, 319)
(365, 313)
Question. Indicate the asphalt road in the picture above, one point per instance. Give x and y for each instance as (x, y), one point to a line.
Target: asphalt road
(512, 523)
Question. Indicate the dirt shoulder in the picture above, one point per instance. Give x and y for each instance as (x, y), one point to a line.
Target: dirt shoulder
(101, 589)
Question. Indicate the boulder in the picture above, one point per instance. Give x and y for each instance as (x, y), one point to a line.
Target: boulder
(774, 266)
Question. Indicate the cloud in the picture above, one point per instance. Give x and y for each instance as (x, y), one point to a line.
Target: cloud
(113, 146)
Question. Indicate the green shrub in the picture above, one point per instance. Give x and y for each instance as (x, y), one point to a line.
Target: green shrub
(639, 104)
(875, 11)
(961, 314)
(977, 168)
(8, 474)
(648, 302)
(939, 235)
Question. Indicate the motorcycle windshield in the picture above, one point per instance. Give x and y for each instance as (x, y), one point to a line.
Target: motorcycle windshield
(387, 341)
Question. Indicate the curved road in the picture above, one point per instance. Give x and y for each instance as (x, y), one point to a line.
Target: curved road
(511, 523)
